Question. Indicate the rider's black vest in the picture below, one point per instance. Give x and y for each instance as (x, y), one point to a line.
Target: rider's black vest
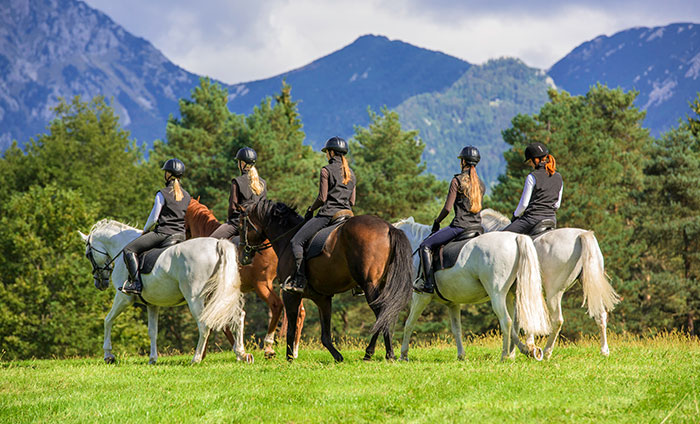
(463, 218)
(339, 194)
(172, 215)
(545, 194)
(246, 195)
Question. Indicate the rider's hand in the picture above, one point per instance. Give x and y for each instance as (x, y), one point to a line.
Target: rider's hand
(309, 214)
(436, 227)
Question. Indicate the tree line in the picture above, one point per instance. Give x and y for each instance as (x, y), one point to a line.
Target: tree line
(639, 194)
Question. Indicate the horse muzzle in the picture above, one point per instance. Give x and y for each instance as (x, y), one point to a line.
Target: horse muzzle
(101, 283)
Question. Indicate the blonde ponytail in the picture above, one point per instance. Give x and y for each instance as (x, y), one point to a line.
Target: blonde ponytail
(471, 188)
(255, 184)
(347, 174)
(177, 189)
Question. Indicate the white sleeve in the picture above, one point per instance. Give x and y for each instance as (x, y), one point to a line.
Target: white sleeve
(561, 190)
(155, 212)
(527, 193)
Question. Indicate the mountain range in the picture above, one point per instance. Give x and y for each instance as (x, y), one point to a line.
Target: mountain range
(61, 48)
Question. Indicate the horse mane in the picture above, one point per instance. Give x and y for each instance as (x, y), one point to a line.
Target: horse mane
(285, 215)
(492, 220)
(200, 220)
(417, 230)
(110, 224)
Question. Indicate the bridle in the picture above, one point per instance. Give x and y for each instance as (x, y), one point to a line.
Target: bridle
(99, 271)
(250, 250)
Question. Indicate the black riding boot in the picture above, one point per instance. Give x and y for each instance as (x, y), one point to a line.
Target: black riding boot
(133, 285)
(426, 284)
(298, 281)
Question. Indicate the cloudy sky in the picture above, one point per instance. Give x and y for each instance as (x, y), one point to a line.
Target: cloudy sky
(242, 40)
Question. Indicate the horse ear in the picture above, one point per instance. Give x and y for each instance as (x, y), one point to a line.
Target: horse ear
(84, 236)
(411, 220)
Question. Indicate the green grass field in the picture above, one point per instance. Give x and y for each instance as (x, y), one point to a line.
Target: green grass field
(645, 380)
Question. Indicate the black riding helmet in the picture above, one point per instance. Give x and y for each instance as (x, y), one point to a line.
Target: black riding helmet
(471, 155)
(247, 155)
(175, 167)
(336, 144)
(535, 150)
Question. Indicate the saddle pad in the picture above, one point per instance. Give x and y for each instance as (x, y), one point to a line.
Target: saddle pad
(317, 242)
(147, 260)
(448, 254)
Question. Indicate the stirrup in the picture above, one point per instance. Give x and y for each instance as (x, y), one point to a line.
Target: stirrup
(357, 291)
(291, 285)
(420, 285)
(131, 287)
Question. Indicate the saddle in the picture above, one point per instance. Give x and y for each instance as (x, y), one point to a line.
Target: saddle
(446, 256)
(147, 259)
(542, 227)
(318, 241)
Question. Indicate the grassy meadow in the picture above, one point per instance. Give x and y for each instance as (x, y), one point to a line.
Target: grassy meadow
(645, 380)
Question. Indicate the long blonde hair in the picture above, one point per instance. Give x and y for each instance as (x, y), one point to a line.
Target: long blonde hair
(347, 174)
(471, 188)
(176, 188)
(254, 179)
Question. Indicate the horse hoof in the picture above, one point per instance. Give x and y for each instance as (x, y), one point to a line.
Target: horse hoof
(403, 358)
(537, 353)
(460, 357)
(152, 361)
(367, 358)
(270, 355)
(605, 352)
(249, 359)
(110, 360)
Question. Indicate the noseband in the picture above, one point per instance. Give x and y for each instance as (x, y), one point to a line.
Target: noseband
(96, 269)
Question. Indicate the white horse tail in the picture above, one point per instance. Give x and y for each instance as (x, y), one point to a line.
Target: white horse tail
(223, 290)
(529, 302)
(597, 290)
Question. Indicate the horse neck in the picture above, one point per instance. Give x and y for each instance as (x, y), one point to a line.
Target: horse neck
(115, 240)
(493, 221)
(415, 232)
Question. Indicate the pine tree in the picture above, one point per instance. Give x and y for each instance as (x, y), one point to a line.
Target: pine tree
(391, 182)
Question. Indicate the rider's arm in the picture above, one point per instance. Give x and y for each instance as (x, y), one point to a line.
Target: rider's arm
(527, 193)
(561, 190)
(322, 191)
(155, 212)
(450, 201)
(233, 201)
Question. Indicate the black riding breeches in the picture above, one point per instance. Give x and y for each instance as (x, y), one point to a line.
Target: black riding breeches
(225, 231)
(524, 224)
(305, 233)
(145, 242)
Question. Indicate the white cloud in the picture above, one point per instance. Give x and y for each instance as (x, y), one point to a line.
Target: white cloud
(236, 41)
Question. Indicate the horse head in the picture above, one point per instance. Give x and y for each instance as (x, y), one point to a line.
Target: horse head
(100, 261)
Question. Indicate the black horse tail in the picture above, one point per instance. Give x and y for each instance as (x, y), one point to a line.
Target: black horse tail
(398, 287)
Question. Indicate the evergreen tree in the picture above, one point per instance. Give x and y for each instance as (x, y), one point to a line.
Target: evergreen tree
(391, 178)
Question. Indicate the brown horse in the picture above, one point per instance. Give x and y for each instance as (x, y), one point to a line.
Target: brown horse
(365, 251)
(258, 276)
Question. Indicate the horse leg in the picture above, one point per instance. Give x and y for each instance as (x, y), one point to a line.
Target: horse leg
(239, 346)
(153, 332)
(555, 313)
(515, 333)
(603, 324)
(300, 324)
(121, 302)
(456, 324)
(229, 337)
(324, 311)
(498, 301)
(291, 310)
(275, 304)
(419, 302)
(371, 296)
(196, 308)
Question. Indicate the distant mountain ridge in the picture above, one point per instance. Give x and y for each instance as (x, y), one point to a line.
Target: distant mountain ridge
(662, 63)
(62, 48)
(335, 90)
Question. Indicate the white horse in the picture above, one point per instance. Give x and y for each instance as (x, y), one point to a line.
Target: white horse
(487, 268)
(201, 272)
(564, 255)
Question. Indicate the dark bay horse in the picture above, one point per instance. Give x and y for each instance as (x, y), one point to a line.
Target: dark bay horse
(258, 276)
(365, 251)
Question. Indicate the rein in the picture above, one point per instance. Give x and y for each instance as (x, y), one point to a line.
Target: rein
(108, 266)
(265, 245)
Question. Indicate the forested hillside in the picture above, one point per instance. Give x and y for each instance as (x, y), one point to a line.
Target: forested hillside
(474, 110)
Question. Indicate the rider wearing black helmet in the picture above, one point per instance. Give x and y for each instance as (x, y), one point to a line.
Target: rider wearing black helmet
(246, 189)
(165, 223)
(542, 192)
(336, 193)
(465, 194)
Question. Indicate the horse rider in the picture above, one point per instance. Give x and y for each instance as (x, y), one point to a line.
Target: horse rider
(465, 194)
(336, 193)
(246, 189)
(542, 192)
(165, 223)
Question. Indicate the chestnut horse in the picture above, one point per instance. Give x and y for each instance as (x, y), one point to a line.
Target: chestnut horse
(258, 276)
(365, 251)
